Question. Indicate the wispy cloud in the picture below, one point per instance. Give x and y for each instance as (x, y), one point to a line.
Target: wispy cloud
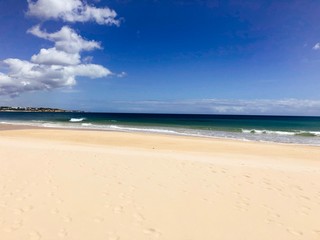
(316, 47)
(122, 74)
(224, 106)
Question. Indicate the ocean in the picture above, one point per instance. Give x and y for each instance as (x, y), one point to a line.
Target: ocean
(281, 129)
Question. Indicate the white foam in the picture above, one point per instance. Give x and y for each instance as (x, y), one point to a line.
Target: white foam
(315, 133)
(86, 124)
(76, 119)
(259, 131)
(143, 129)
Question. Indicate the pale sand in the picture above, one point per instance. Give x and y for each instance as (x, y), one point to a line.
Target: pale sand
(86, 185)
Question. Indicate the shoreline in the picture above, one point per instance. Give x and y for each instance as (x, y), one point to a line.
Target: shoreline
(171, 142)
(18, 126)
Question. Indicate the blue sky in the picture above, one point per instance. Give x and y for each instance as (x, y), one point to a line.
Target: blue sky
(191, 56)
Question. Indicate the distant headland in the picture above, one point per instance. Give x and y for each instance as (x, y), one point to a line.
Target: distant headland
(33, 109)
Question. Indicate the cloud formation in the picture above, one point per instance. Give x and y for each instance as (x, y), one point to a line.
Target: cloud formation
(51, 68)
(66, 40)
(71, 11)
(67, 47)
(27, 76)
(59, 65)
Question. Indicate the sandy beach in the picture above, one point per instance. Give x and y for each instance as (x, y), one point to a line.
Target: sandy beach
(83, 185)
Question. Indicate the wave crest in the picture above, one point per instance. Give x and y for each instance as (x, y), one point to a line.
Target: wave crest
(296, 133)
(77, 119)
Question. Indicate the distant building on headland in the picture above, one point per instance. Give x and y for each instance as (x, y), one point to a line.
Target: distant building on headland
(32, 109)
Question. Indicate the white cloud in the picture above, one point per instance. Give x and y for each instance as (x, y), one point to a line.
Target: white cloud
(88, 70)
(71, 11)
(66, 39)
(122, 74)
(67, 47)
(27, 76)
(316, 47)
(52, 56)
(51, 68)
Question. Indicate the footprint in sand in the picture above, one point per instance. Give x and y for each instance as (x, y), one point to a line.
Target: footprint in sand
(67, 219)
(242, 203)
(317, 232)
(106, 205)
(138, 217)
(17, 211)
(59, 201)
(98, 219)
(63, 233)
(55, 211)
(304, 210)
(152, 232)
(106, 194)
(274, 218)
(34, 235)
(50, 194)
(242, 206)
(304, 197)
(112, 236)
(118, 209)
(294, 232)
(14, 226)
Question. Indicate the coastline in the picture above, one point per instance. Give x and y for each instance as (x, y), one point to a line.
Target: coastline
(280, 129)
(75, 184)
(19, 126)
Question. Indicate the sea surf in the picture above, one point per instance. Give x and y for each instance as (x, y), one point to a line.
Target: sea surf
(281, 129)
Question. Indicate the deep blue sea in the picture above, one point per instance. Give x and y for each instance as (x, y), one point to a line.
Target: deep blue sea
(282, 129)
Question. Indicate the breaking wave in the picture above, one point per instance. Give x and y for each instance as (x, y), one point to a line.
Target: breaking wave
(77, 119)
(283, 133)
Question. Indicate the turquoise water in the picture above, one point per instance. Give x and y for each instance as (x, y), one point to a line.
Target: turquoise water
(282, 129)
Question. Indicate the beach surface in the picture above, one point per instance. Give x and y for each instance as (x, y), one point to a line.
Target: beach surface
(83, 185)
